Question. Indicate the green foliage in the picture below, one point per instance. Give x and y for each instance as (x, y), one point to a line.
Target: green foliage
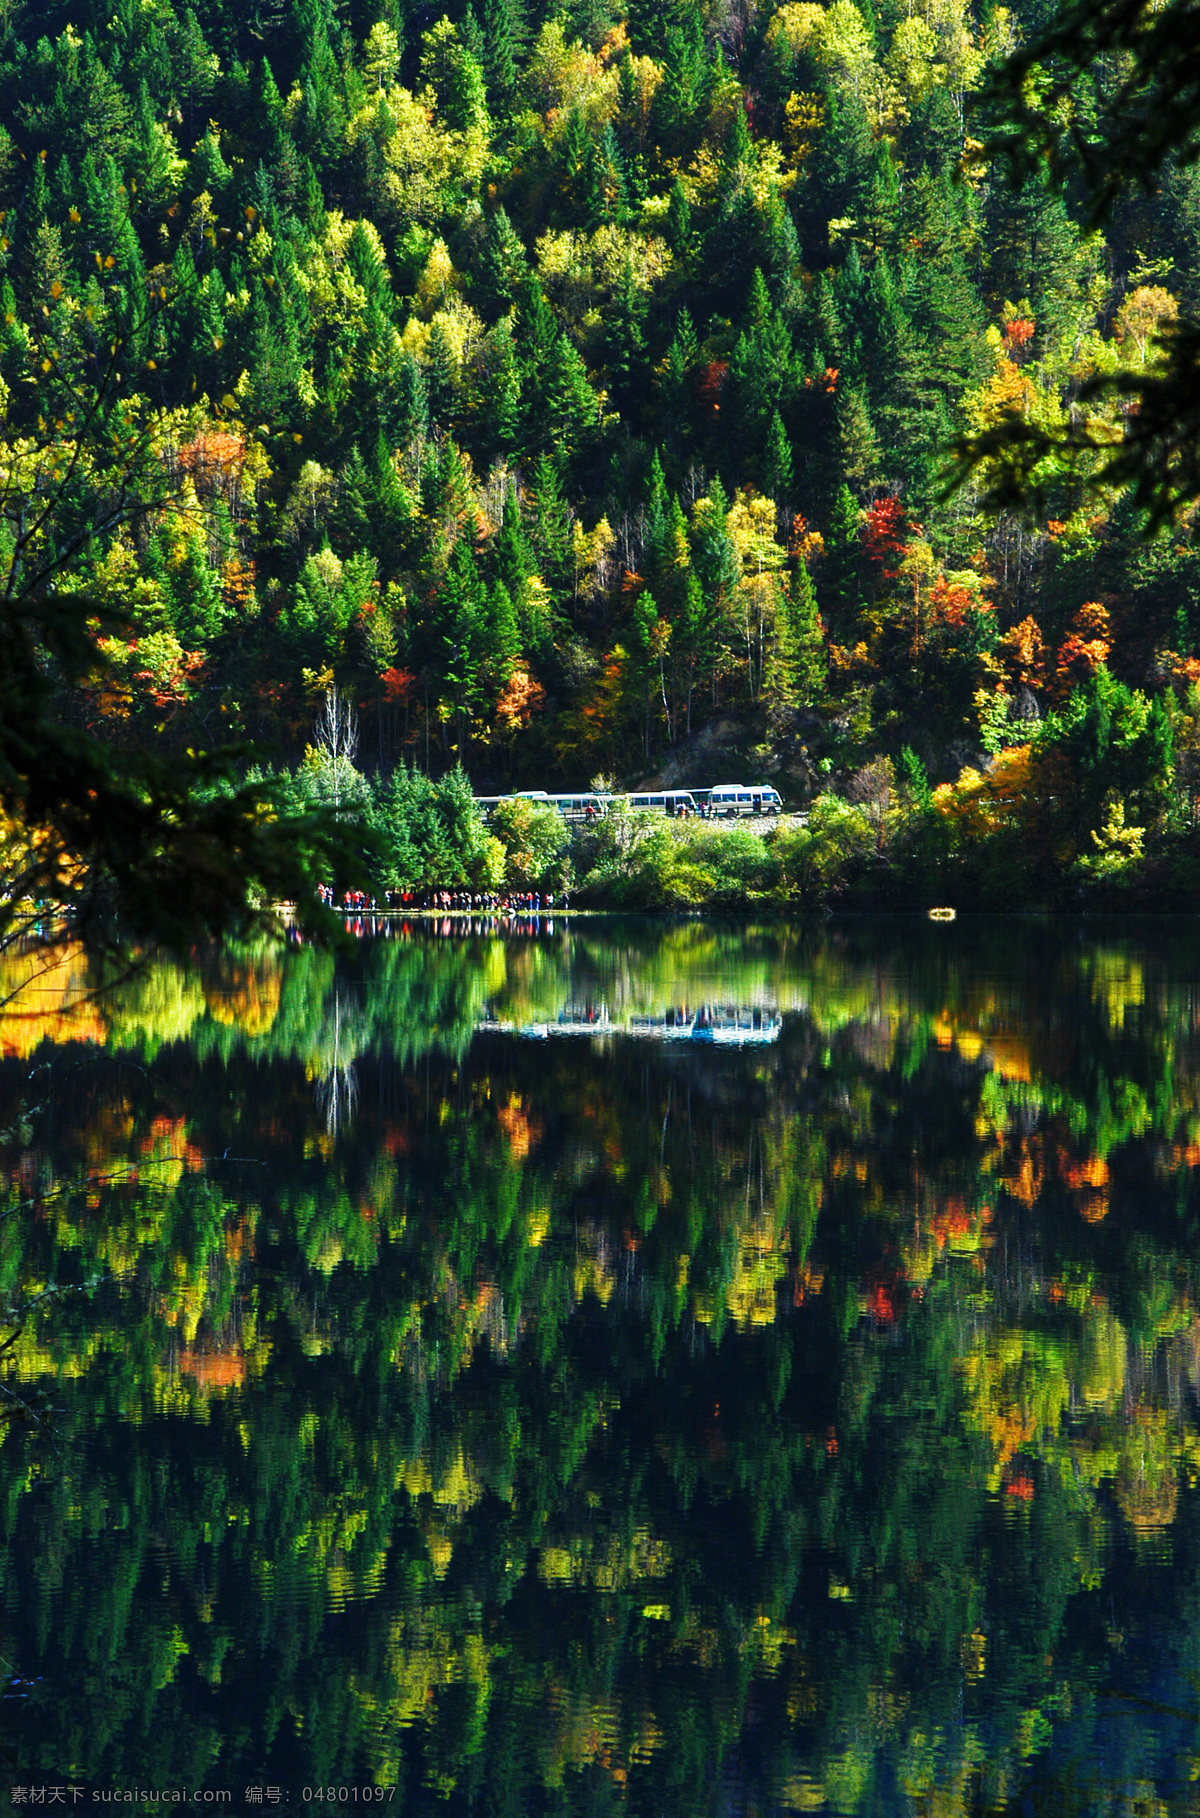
(535, 840)
(1117, 743)
(447, 344)
(430, 835)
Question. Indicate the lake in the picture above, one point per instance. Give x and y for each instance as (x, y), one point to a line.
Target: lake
(608, 1367)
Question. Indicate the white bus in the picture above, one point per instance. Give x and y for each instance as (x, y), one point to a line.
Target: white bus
(584, 806)
(727, 800)
(670, 802)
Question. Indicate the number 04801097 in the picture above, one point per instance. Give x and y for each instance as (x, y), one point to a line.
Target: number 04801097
(348, 1795)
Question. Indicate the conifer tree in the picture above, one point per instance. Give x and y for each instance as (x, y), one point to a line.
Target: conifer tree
(679, 221)
(647, 642)
(572, 155)
(503, 639)
(513, 563)
(569, 406)
(604, 190)
(503, 23)
(654, 534)
(549, 526)
(807, 659)
(410, 411)
(681, 99)
(496, 403)
(501, 268)
(777, 463)
(625, 342)
(841, 571)
(442, 378)
(714, 557)
(677, 385)
(694, 644)
(458, 640)
(858, 456)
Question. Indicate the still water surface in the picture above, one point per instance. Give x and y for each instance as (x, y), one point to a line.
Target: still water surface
(621, 1368)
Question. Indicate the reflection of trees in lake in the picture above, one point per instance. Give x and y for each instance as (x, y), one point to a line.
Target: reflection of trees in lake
(333, 1067)
(807, 1420)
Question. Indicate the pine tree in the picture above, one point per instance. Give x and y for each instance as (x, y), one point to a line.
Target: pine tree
(858, 457)
(536, 332)
(714, 557)
(409, 416)
(458, 640)
(503, 24)
(571, 163)
(603, 198)
(680, 102)
(624, 342)
(355, 509)
(511, 554)
(737, 153)
(200, 612)
(646, 646)
(679, 221)
(513, 564)
(694, 644)
(677, 385)
(654, 533)
(549, 529)
(503, 636)
(807, 659)
(570, 410)
(442, 375)
(782, 256)
(496, 399)
(841, 571)
(501, 268)
(777, 463)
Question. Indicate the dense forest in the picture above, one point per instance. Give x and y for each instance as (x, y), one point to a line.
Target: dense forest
(569, 390)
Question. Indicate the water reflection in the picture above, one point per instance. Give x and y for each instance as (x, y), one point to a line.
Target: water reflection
(637, 1424)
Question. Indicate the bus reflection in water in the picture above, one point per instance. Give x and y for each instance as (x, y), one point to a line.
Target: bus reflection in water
(722, 1025)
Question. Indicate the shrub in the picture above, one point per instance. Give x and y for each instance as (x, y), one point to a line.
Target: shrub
(535, 840)
(818, 860)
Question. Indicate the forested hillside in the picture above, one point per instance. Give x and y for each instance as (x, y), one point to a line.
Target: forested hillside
(571, 387)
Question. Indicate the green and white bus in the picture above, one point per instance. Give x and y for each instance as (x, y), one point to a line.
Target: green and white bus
(584, 806)
(727, 800)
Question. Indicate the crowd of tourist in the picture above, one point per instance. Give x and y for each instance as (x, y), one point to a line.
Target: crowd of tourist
(445, 902)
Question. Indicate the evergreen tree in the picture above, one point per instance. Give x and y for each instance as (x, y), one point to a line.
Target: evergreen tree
(841, 571)
(200, 611)
(458, 640)
(410, 411)
(511, 555)
(442, 379)
(496, 401)
(625, 342)
(677, 386)
(603, 197)
(777, 463)
(679, 221)
(569, 407)
(806, 662)
(501, 268)
(858, 457)
(503, 23)
(549, 527)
